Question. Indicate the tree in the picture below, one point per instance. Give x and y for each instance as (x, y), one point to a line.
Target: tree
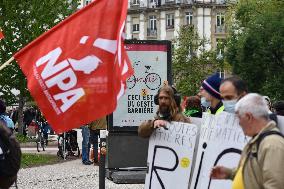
(191, 62)
(256, 46)
(22, 22)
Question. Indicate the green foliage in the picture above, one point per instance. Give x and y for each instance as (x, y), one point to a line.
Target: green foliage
(191, 62)
(23, 139)
(31, 160)
(256, 46)
(22, 22)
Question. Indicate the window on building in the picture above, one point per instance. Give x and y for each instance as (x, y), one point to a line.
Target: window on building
(87, 2)
(135, 27)
(220, 19)
(188, 18)
(135, 2)
(152, 3)
(170, 21)
(152, 23)
(220, 23)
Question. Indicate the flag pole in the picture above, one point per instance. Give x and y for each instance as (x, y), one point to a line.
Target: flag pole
(6, 63)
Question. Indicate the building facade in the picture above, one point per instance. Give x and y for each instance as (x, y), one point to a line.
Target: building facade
(83, 3)
(161, 19)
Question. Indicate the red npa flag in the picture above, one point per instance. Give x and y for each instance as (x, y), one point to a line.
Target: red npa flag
(77, 70)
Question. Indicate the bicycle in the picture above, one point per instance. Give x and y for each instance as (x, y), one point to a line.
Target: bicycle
(152, 80)
(68, 145)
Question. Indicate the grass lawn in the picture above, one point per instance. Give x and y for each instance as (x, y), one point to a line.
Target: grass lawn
(32, 160)
(23, 139)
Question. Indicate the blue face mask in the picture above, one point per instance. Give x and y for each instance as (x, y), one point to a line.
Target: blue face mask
(205, 103)
(230, 105)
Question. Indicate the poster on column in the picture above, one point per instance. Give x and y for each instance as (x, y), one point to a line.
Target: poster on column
(170, 155)
(151, 63)
(221, 141)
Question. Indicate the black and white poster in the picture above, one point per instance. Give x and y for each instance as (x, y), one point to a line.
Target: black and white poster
(170, 156)
(150, 64)
(221, 141)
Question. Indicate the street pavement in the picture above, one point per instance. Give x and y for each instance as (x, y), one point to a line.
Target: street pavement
(67, 175)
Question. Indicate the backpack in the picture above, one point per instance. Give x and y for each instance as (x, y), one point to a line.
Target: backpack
(10, 152)
(9, 122)
(262, 136)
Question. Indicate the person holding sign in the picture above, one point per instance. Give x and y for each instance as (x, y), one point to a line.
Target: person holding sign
(261, 164)
(212, 94)
(169, 110)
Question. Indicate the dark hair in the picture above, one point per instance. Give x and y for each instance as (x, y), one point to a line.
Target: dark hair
(279, 107)
(238, 83)
(2, 107)
(193, 101)
(171, 91)
(193, 107)
(175, 99)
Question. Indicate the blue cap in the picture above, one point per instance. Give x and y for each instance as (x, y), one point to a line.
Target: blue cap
(212, 85)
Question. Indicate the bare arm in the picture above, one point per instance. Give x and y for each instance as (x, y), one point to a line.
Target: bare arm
(220, 172)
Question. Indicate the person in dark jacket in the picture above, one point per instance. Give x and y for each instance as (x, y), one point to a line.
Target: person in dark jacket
(14, 115)
(29, 115)
(279, 108)
(10, 156)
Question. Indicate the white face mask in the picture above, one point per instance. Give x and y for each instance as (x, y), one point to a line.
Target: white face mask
(205, 103)
(230, 105)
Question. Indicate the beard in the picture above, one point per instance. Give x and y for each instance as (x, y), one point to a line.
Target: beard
(164, 111)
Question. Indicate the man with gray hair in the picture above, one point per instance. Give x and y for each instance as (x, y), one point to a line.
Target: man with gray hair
(261, 163)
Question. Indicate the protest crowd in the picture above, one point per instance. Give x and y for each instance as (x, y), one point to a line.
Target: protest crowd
(259, 165)
(224, 136)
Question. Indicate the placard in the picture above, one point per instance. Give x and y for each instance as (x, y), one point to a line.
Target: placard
(170, 156)
(221, 142)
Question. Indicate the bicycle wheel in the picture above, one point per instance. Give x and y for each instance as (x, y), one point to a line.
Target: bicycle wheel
(130, 82)
(153, 81)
